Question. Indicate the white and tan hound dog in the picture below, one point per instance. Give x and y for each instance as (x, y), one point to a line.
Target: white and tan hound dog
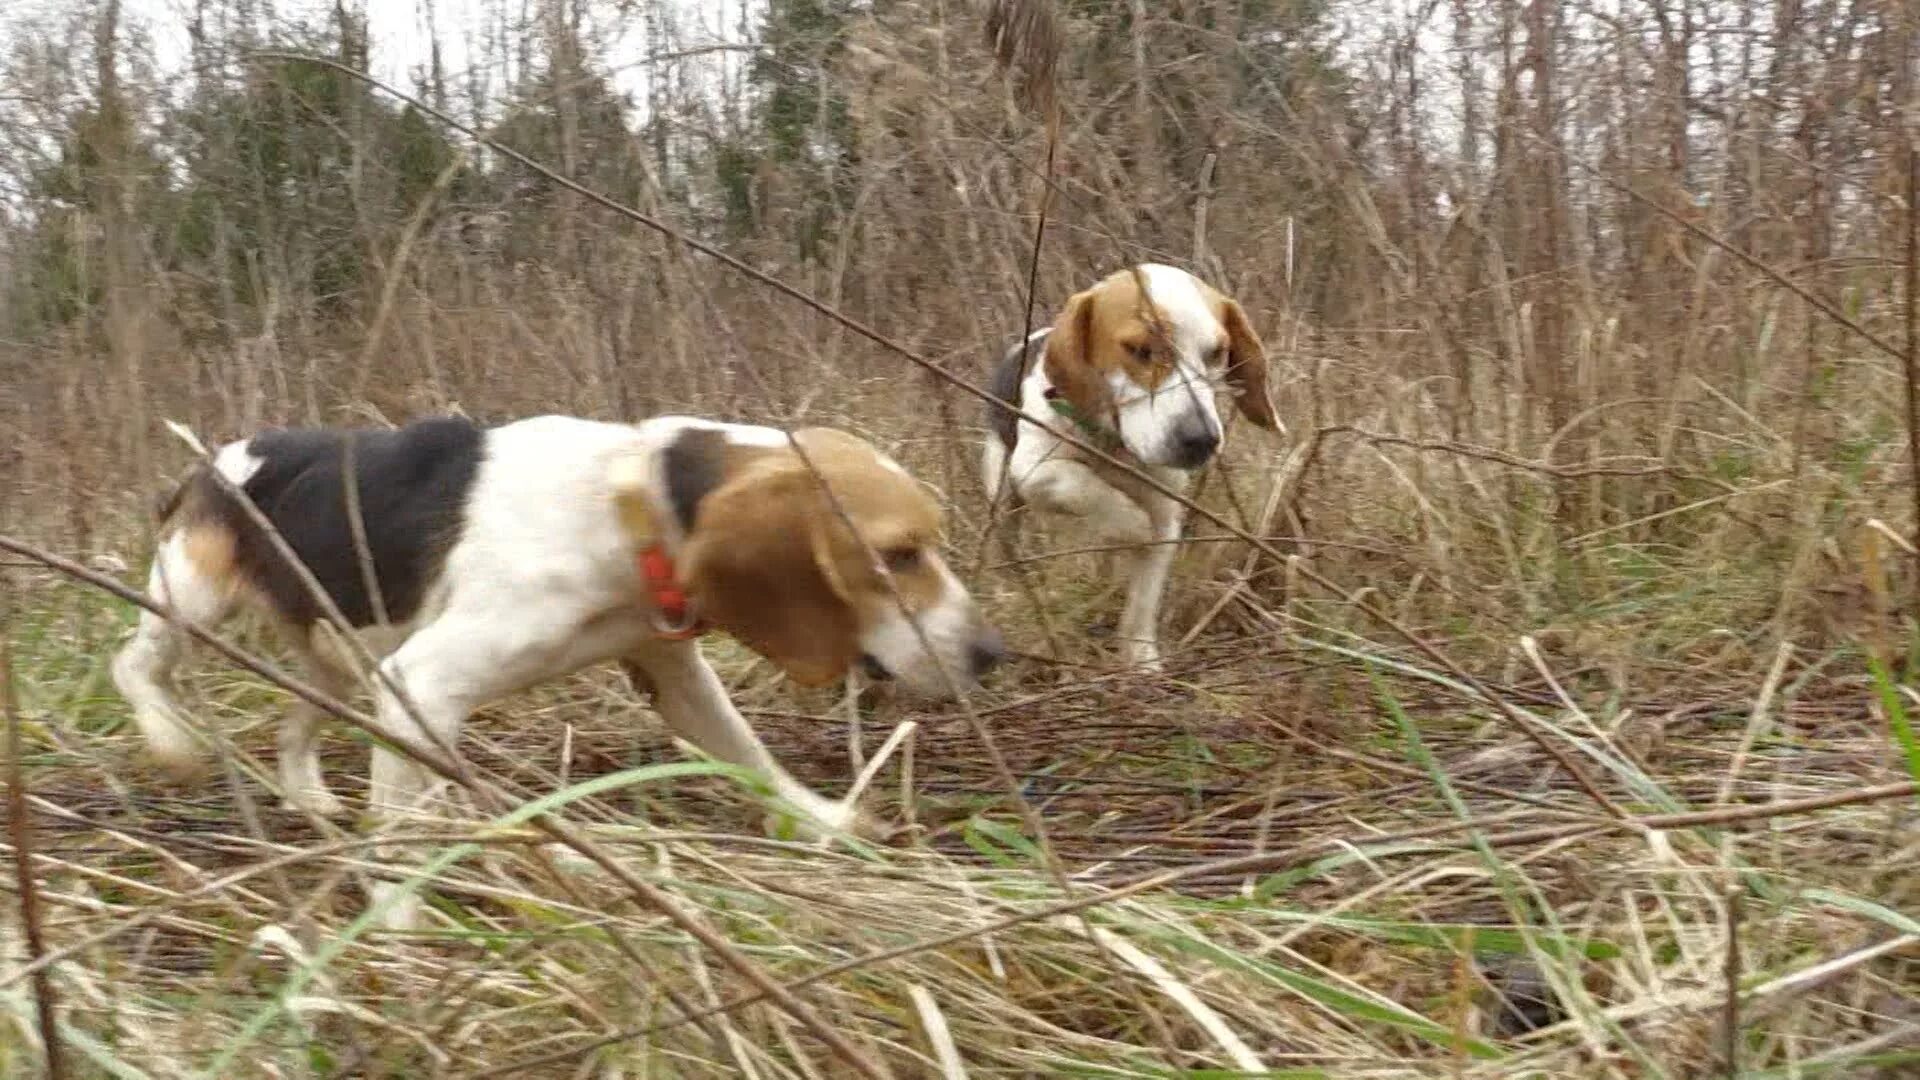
(509, 555)
(1127, 368)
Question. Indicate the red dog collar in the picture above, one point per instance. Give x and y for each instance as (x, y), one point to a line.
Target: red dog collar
(673, 611)
(673, 615)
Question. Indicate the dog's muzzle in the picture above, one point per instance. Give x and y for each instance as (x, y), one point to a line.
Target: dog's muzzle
(1194, 445)
(986, 653)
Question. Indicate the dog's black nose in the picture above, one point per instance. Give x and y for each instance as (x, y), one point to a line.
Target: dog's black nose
(1194, 447)
(987, 653)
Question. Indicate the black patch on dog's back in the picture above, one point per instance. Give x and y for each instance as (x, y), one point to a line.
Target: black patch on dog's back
(692, 465)
(413, 485)
(1005, 385)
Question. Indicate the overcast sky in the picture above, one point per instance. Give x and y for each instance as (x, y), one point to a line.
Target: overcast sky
(400, 40)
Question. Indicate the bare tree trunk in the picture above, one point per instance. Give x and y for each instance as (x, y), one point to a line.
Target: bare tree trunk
(1468, 205)
(354, 53)
(1550, 339)
(1146, 141)
(563, 60)
(1673, 83)
(113, 202)
(1503, 204)
(1906, 35)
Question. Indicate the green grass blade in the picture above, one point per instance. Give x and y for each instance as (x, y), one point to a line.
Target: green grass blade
(1865, 908)
(1903, 735)
(1345, 1002)
(1841, 1065)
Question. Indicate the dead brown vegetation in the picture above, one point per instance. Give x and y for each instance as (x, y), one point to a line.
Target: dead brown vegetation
(1589, 321)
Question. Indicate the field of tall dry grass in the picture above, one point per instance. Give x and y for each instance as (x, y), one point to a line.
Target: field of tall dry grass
(1538, 706)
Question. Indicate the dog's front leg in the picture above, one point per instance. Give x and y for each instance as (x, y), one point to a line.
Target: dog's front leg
(423, 694)
(1146, 587)
(692, 701)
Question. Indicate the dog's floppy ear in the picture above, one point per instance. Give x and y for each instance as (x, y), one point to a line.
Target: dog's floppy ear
(1069, 357)
(753, 567)
(1247, 368)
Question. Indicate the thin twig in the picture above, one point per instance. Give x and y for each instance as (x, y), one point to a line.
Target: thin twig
(1026, 34)
(1911, 297)
(1002, 494)
(1730, 1016)
(1025, 37)
(46, 1001)
(1487, 453)
(1183, 541)
(357, 527)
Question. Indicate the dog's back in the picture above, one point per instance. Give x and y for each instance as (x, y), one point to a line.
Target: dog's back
(1005, 385)
(1003, 424)
(411, 485)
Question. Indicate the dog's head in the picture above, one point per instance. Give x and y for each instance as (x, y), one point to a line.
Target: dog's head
(822, 553)
(1139, 351)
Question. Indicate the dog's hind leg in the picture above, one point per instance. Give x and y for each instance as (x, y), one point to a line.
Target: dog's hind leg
(193, 574)
(302, 786)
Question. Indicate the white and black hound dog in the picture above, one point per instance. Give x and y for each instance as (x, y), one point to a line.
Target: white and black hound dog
(1127, 368)
(505, 556)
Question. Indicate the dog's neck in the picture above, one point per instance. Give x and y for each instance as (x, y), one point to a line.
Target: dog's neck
(680, 460)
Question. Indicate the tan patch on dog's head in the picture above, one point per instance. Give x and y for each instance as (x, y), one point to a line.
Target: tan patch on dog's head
(770, 560)
(1104, 331)
(1111, 330)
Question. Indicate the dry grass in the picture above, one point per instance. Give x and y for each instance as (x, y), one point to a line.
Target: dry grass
(206, 926)
(1646, 496)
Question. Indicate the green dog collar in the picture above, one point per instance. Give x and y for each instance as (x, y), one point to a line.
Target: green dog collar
(1108, 441)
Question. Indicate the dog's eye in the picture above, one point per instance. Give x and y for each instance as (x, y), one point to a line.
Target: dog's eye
(1142, 353)
(1218, 356)
(900, 560)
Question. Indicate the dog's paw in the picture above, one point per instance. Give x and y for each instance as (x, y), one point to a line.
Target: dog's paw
(1143, 656)
(170, 747)
(873, 829)
(180, 766)
(317, 801)
(824, 822)
(402, 913)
